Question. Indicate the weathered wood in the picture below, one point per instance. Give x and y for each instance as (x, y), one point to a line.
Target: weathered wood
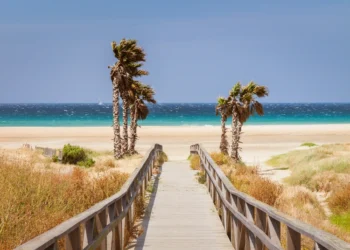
(73, 240)
(88, 232)
(182, 215)
(293, 239)
(260, 223)
(274, 230)
(275, 218)
(319, 247)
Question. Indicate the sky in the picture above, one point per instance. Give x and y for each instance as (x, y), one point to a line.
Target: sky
(58, 51)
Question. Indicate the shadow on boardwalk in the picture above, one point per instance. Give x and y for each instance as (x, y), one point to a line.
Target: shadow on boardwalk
(138, 243)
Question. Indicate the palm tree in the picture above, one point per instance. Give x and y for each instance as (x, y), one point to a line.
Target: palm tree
(223, 108)
(249, 105)
(129, 57)
(235, 107)
(139, 110)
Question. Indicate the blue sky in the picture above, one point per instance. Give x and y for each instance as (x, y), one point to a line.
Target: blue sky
(58, 51)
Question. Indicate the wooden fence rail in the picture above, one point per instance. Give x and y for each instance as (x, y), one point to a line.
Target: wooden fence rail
(103, 225)
(50, 152)
(251, 224)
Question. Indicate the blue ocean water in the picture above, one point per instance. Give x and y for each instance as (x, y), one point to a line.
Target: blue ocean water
(173, 114)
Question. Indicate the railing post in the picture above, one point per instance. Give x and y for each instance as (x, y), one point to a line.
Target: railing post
(73, 240)
(274, 230)
(111, 237)
(120, 230)
(250, 237)
(101, 222)
(227, 215)
(88, 232)
(293, 239)
(260, 223)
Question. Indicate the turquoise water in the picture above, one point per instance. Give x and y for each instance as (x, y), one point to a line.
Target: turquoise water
(172, 114)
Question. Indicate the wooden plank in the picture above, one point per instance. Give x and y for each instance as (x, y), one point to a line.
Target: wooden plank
(293, 240)
(183, 215)
(88, 232)
(111, 215)
(119, 240)
(73, 240)
(260, 223)
(274, 227)
(250, 237)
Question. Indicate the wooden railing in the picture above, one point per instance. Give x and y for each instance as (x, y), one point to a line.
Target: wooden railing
(251, 224)
(50, 152)
(103, 225)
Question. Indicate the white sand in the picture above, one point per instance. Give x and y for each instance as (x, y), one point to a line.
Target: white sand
(259, 142)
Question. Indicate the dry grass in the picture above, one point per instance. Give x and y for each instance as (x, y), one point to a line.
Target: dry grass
(298, 202)
(339, 201)
(221, 159)
(35, 197)
(195, 162)
(309, 165)
(162, 157)
(246, 179)
(322, 169)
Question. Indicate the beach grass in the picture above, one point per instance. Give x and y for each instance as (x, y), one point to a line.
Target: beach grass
(35, 199)
(308, 144)
(322, 169)
(195, 162)
(315, 167)
(297, 201)
(342, 220)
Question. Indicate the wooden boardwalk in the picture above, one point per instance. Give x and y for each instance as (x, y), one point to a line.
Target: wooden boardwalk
(181, 214)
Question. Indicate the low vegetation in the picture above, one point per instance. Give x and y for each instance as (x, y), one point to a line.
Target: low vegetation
(35, 198)
(76, 155)
(323, 169)
(248, 180)
(308, 144)
(162, 157)
(195, 162)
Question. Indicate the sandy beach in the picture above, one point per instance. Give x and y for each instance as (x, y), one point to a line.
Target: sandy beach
(259, 142)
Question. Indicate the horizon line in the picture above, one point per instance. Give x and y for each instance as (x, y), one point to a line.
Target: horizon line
(1, 103)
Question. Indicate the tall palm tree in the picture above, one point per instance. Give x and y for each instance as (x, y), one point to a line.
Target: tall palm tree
(235, 107)
(223, 108)
(129, 57)
(139, 110)
(249, 105)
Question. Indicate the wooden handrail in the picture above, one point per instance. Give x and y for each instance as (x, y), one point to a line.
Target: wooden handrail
(251, 224)
(102, 225)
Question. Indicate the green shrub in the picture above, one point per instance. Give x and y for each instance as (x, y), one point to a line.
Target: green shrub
(73, 154)
(308, 144)
(201, 177)
(87, 163)
(76, 155)
(55, 158)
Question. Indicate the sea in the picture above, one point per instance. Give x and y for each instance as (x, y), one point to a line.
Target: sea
(167, 114)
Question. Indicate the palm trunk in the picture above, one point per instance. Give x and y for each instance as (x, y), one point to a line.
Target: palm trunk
(116, 126)
(234, 146)
(133, 137)
(124, 149)
(239, 132)
(223, 142)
